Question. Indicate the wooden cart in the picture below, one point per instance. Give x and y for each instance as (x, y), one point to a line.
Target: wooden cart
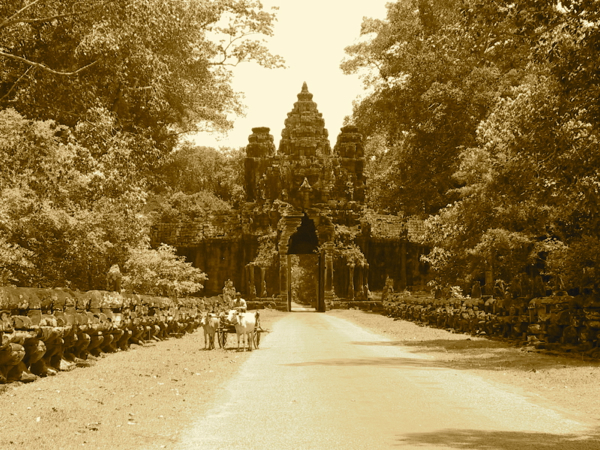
(225, 330)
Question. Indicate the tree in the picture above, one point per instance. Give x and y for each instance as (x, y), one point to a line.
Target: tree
(161, 272)
(529, 188)
(534, 175)
(484, 115)
(162, 67)
(191, 169)
(68, 213)
(562, 35)
(13, 259)
(181, 207)
(95, 96)
(428, 88)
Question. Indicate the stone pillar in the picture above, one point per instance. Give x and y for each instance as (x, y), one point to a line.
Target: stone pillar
(403, 278)
(351, 282)
(329, 292)
(283, 277)
(366, 281)
(289, 281)
(489, 282)
(328, 271)
(361, 282)
(263, 283)
(251, 286)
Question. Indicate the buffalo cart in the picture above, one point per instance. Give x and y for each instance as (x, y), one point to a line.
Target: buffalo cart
(226, 328)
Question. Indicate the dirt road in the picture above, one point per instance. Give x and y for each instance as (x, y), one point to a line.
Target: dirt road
(321, 382)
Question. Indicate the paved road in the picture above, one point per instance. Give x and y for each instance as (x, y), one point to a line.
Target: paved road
(320, 382)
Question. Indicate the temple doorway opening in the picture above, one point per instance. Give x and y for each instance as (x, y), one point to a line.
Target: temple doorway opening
(303, 261)
(304, 281)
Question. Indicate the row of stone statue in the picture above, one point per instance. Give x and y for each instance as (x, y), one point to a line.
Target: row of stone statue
(44, 331)
(560, 321)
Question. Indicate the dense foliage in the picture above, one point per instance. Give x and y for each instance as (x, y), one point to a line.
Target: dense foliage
(161, 272)
(158, 65)
(483, 116)
(192, 169)
(94, 97)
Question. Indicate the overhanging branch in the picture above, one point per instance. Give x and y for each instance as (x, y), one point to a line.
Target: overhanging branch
(45, 67)
(13, 19)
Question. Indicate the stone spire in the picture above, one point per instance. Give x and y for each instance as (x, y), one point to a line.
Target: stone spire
(304, 133)
(260, 143)
(304, 95)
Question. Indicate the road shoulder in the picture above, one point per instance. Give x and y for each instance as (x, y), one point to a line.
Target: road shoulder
(563, 383)
(139, 399)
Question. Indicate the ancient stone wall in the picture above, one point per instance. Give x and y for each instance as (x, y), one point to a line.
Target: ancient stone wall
(220, 246)
(397, 260)
(221, 260)
(44, 331)
(558, 322)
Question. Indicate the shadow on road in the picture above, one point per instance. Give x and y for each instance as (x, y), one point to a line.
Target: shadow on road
(375, 361)
(498, 362)
(479, 354)
(442, 344)
(501, 440)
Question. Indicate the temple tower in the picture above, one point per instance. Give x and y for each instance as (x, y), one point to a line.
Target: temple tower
(304, 133)
(299, 200)
(305, 172)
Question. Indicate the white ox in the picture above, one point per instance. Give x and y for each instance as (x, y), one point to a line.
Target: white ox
(210, 323)
(245, 323)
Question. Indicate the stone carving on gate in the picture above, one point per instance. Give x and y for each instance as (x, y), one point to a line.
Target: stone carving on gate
(303, 176)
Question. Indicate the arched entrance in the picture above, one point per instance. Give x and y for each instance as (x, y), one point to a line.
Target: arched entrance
(302, 264)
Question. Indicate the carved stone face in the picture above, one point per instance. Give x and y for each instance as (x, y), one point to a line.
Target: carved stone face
(5, 323)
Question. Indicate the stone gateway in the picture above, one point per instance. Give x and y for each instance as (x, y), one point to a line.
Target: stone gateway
(308, 199)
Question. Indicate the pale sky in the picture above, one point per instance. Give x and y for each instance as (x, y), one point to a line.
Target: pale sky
(311, 36)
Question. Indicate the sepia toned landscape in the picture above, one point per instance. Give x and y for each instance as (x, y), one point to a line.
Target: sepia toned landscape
(299, 225)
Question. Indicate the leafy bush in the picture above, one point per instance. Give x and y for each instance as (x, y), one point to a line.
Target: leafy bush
(161, 272)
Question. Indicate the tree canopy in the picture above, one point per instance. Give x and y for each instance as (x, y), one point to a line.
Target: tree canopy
(161, 272)
(94, 99)
(483, 117)
(159, 66)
